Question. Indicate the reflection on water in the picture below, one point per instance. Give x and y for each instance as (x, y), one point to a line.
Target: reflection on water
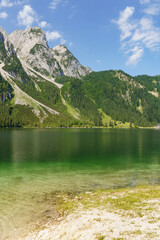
(64, 158)
(34, 164)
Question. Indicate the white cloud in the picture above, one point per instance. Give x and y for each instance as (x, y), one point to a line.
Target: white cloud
(63, 41)
(54, 4)
(153, 9)
(73, 12)
(147, 35)
(137, 53)
(124, 23)
(144, 1)
(70, 44)
(9, 3)
(27, 16)
(53, 35)
(138, 35)
(44, 24)
(3, 15)
(6, 3)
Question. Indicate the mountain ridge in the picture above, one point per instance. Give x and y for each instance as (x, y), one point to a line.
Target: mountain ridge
(32, 47)
(48, 87)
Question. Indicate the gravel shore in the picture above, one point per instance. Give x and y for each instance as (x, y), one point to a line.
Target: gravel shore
(115, 214)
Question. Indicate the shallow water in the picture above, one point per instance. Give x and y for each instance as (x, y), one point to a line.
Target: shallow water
(36, 164)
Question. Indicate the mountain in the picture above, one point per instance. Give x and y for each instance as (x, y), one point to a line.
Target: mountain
(68, 63)
(6, 48)
(32, 48)
(48, 87)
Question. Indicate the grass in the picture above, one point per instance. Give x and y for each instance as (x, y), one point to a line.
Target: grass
(120, 201)
(140, 108)
(107, 121)
(129, 204)
(105, 118)
(70, 109)
(133, 200)
(100, 237)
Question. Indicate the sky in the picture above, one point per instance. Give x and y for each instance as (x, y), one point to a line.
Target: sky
(102, 34)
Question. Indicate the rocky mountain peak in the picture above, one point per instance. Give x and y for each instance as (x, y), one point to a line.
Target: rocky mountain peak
(60, 49)
(32, 49)
(6, 48)
(3, 32)
(69, 64)
(25, 40)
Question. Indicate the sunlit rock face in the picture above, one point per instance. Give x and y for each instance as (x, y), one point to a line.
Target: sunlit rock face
(68, 63)
(6, 48)
(32, 48)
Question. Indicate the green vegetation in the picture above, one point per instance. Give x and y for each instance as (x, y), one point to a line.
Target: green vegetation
(149, 82)
(66, 58)
(11, 63)
(74, 93)
(64, 79)
(50, 60)
(36, 69)
(13, 115)
(66, 62)
(14, 67)
(58, 70)
(100, 99)
(6, 91)
(107, 121)
(36, 31)
(111, 99)
(108, 99)
(48, 94)
(37, 48)
(100, 237)
(3, 53)
(6, 94)
(17, 116)
(119, 98)
(128, 199)
(62, 120)
(70, 109)
(56, 52)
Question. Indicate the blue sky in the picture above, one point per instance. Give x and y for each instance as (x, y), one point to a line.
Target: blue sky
(102, 34)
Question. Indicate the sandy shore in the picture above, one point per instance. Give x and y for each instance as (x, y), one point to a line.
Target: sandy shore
(115, 214)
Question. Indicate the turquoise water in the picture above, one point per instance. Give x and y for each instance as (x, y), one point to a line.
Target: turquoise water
(36, 164)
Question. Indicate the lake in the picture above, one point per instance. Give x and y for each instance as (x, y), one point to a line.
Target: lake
(38, 164)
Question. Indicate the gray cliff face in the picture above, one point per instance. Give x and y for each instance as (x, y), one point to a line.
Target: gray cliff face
(68, 63)
(31, 47)
(6, 48)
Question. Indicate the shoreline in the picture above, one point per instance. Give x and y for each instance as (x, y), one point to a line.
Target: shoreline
(130, 213)
(137, 127)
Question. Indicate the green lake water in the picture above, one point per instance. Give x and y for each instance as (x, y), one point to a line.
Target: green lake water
(36, 164)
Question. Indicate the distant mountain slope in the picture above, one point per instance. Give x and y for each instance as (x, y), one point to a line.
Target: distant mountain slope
(68, 63)
(117, 94)
(43, 87)
(122, 97)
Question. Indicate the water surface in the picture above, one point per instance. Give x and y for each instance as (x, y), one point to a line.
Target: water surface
(36, 164)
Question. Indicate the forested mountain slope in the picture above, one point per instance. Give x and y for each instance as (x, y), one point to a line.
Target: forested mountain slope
(43, 87)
